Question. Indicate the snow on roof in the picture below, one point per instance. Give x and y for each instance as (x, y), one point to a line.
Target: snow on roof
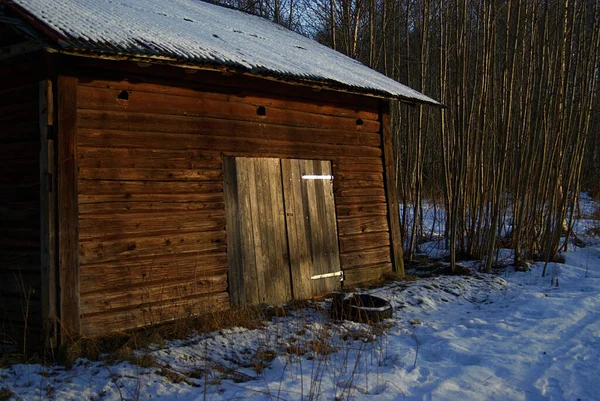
(191, 31)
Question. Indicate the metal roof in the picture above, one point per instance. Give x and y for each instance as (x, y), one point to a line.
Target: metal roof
(199, 33)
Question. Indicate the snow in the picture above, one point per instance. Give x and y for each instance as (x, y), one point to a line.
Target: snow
(192, 31)
(510, 336)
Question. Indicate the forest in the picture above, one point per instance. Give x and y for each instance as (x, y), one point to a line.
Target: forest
(519, 137)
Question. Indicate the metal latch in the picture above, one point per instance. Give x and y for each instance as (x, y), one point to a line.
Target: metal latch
(327, 275)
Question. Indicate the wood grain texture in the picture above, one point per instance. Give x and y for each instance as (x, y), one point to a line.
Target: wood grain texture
(137, 272)
(225, 89)
(128, 121)
(121, 249)
(104, 301)
(135, 225)
(114, 321)
(391, 193)
(158, 158)
(189, 103)
(68, 260)
(242, 145)
(258, 249)
(311, 222)
(360, 225)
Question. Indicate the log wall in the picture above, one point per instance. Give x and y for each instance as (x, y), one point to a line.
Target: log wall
(152, 232)
(20, 274)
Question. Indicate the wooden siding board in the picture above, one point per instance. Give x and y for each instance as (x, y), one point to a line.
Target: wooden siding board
(99, 324)
(222, 126)
(243, 145)
(215, 105)
(254, 97)
(121, 249)
(67, 202)
(137, 272)
(158, 158)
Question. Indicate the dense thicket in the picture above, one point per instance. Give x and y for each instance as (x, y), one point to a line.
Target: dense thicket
(520, 133)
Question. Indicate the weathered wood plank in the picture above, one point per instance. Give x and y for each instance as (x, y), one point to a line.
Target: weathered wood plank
(356, 200)
(202, 104)
(150, 293)
(274, 268)
(311, 223)
(391, 192)
(107, 187)
(358, 242)
(253, 98)
(256, 202)
(366, 274)
(361, 210)
(147, 174)
(131, 225)
(123, 207)
(351, 165)
(114, 321)
(148, 158)
(134, 272)
(344, 192)
(118, 120)
(150, 197)
(68, 263)
(358, 225)
(344, 183)
(121, 249)
(243, 145)
(367, 257)
(357, 175)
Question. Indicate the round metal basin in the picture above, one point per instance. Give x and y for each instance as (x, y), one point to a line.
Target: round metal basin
(364, 308)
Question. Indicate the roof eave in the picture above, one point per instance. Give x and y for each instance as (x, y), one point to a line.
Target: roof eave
(238, 70)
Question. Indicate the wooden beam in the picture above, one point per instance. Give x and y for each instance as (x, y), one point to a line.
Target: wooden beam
(391, 191)
(47, 215)
(68, 263)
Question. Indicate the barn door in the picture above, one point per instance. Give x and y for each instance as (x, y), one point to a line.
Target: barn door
(311, 227)
(281, 230)
(257, 248)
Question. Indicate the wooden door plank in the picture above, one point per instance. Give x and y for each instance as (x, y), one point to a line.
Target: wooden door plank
(330, 224)
(310, 212)
(257, 244)
(297, 227)
(275, 268)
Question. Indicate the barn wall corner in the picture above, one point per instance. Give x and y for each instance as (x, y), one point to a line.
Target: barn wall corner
(391, 191)
(67, 216)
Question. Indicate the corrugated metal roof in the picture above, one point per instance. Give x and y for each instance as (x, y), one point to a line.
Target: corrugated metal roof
(194, 32)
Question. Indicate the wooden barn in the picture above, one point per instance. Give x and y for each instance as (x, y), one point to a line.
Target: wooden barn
(167, 159)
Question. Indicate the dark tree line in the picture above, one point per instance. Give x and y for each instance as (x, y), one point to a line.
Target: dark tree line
(521, 131)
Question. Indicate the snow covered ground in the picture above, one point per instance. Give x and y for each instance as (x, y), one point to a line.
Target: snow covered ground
(512, 336)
